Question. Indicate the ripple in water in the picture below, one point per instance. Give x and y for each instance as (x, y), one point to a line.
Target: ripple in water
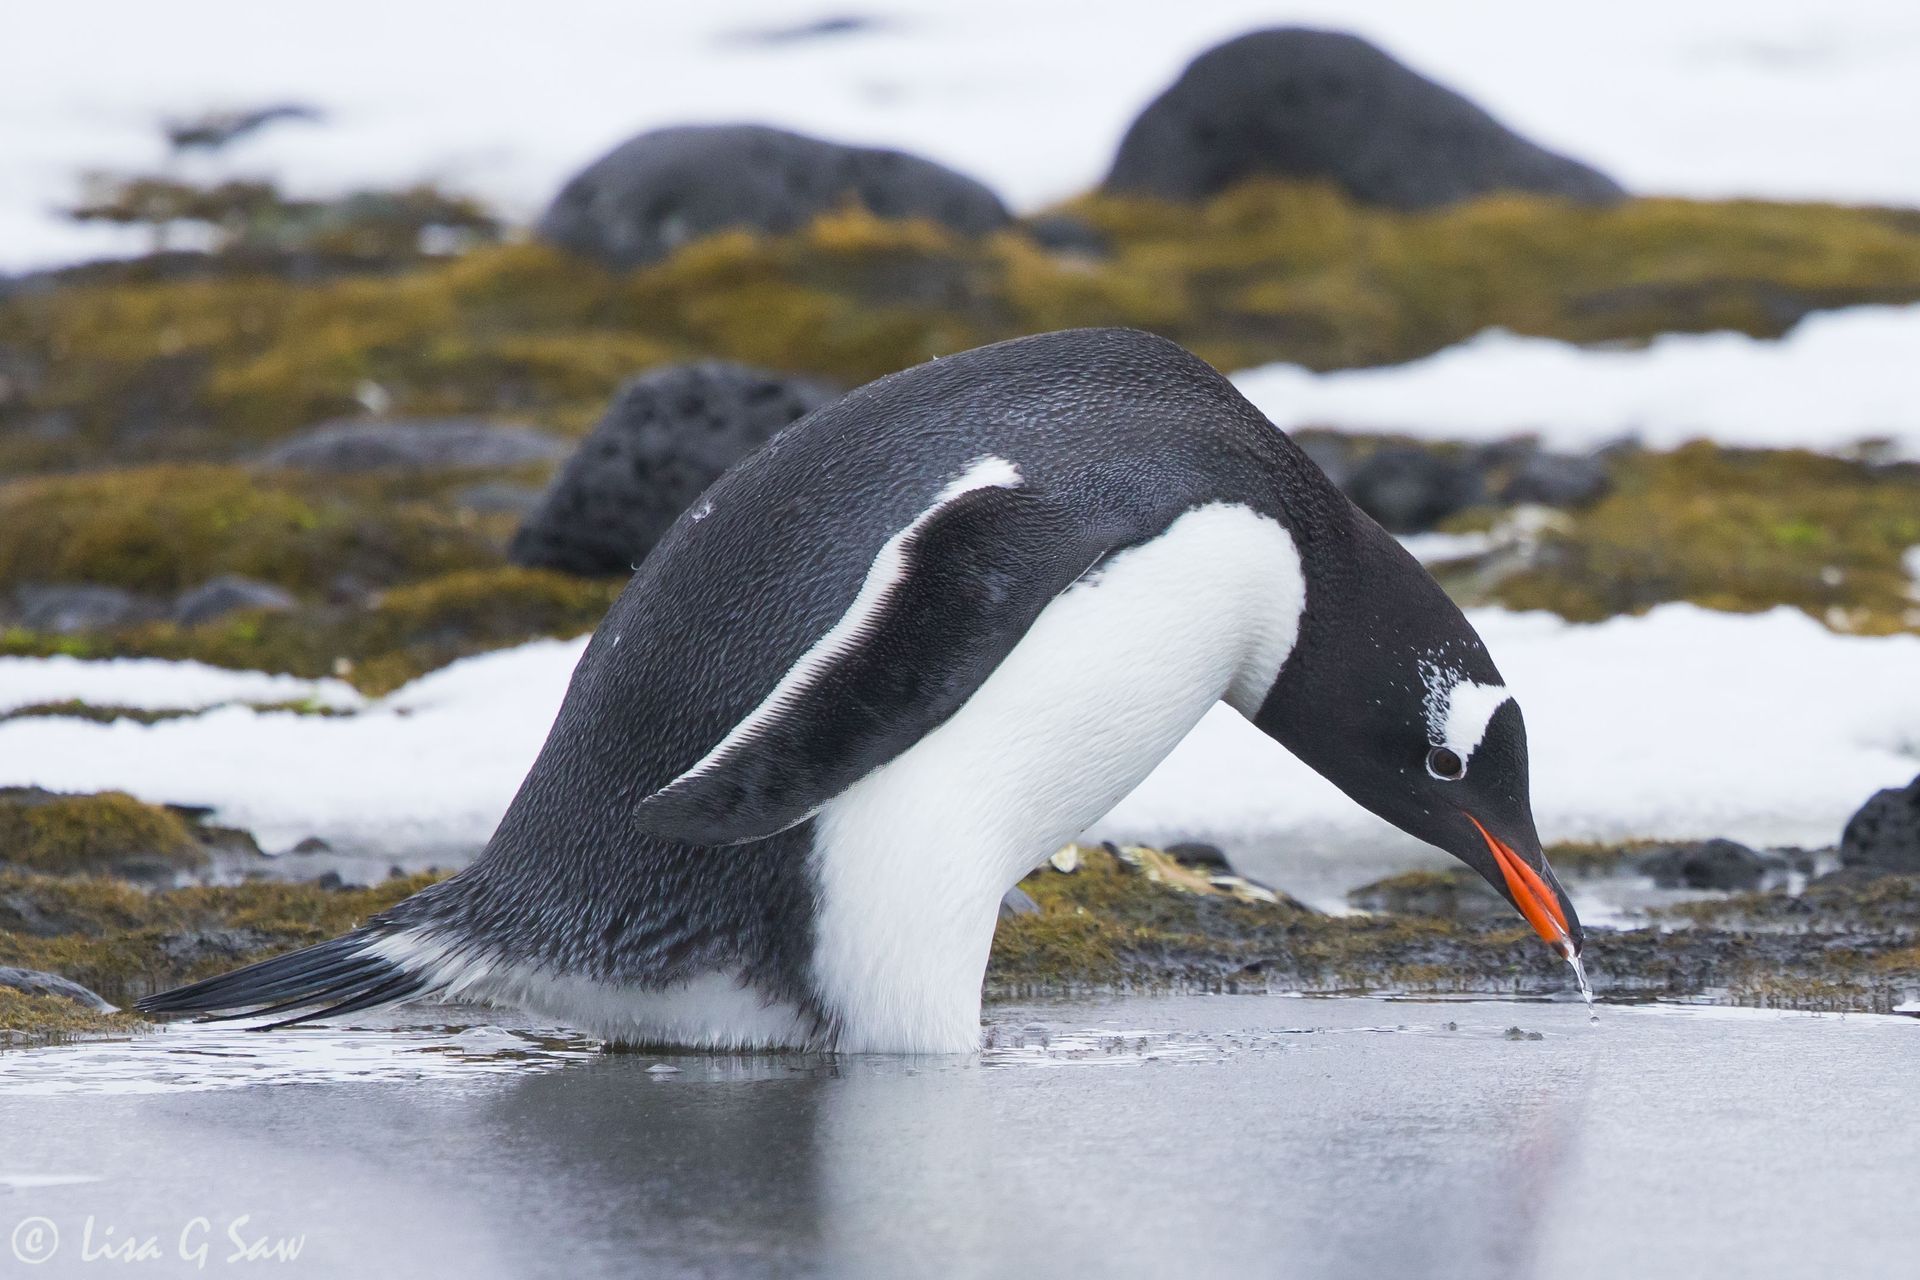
(191, 1058)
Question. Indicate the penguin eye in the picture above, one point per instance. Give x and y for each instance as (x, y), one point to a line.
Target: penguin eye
(1446, 765)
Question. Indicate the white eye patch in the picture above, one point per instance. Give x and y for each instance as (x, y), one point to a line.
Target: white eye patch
(1459, 710)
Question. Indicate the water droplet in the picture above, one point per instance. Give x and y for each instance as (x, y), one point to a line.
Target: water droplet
(1586, 988)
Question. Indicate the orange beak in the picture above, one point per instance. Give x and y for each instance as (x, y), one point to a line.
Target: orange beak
(1537, 902)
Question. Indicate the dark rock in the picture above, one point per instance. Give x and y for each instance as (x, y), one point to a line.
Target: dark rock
(1018, 902)
(840, 24)
(330, 880)
(666, 437)
(67, 608)
(1065, 234)
(312, 844)
(1803, 861)
(1556, 479)
(1706, 864)
(1409, 489)
(228, 842)
(1310, 104)
(430, 444)
(229, 593)
(35, 983)
(214, 130)
(1409, 486)
(654, 193)
(20, 913)
(1194, 854)
(1336, 455)
(1884, 836)
(199, 947)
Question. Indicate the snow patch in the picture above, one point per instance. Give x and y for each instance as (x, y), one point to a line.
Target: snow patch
(154, 684)
(1836, 379)
(1766, 728)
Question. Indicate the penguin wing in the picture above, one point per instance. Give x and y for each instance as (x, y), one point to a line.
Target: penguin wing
(946, 600)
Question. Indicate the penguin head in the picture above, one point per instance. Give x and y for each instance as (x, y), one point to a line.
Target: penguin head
(1390, 694)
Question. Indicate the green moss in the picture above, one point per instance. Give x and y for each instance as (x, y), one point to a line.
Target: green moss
(1451, 893)
(36, 1019)
(1737, 530)
(85, 834)
(125, 944)
(1588, 859)
(1837, 903)
(400, 634)
(1276, 270)
(1268, 271)
(165, 528)
(1105, 927)
(74, 709)
(406, 632)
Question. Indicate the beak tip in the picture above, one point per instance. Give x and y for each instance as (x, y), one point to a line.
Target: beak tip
(1542, 903)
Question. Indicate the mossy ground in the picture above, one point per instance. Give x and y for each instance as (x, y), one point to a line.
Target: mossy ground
(377, 646)
(1105, 927)
(37, 1019)
(162, 529)
(93, 834)
(171, 379)
(123, 943)
(130, 368)
(396, 636)
(1736, 530)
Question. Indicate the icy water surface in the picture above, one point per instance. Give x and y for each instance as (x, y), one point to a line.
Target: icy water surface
(1193, 1136)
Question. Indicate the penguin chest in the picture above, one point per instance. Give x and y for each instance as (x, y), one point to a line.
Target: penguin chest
(912, 860)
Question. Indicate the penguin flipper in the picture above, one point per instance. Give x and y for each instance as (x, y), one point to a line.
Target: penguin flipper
(967, 581)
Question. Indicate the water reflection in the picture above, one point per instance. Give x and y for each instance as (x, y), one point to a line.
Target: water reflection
(1224, 1136)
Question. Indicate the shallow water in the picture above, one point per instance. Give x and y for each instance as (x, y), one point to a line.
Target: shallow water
(1194, 1136)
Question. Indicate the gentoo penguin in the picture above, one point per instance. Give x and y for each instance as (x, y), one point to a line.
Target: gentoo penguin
(890, 662)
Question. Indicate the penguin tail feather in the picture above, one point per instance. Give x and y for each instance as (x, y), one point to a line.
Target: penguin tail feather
(326, 980)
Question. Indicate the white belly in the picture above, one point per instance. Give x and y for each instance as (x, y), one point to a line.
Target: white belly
(912, 860)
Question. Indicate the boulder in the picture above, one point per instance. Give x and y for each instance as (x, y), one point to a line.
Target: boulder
(667, 435)
(33, 982)
(1704, 864)
(654, 193)
(1556, 479)
(1883, 837)
(1299, 103)
(1410, 485)
(66, 608)
(108, 833)
(1202, 857)
(1409, 489)
(1017, 902)
(412, 444)
(824, 28)
(229, 593)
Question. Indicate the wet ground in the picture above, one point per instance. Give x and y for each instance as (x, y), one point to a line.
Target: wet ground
(1194, 1136)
